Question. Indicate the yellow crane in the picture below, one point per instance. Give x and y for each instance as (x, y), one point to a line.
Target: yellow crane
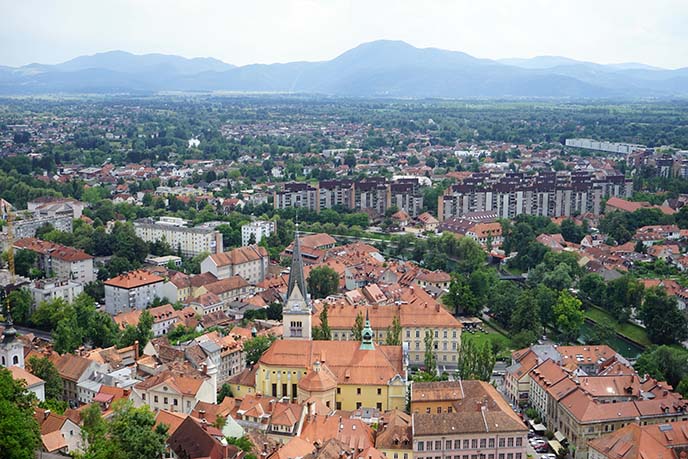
(9, 217)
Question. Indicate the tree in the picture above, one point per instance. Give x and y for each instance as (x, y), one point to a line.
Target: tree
(357, 329)
(572, 232)
(225, 391)
(68, 335)
(568, 316)
(393, 337)
(274, 311)
(430, 359)
(142, 332)
(475, 361)
(19, 432)
(526, 314)
(470, 255)
(24, 261)
(323, 281)
(323, 332)
(46, 370)
(664, 363)
(20, 302)
(664, 322)
(130, 434)
(256, 346)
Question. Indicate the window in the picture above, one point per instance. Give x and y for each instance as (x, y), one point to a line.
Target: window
(438, 445)
(274, 390)
(165, 401)
(518, 455)
(483, 443)
(465, 444)
(427, 410)
(474, 443)
(510, 442)
(155, 399)
(358, 391)
(15, 360)
(510, 456)
(439, 410)
(378, 405)
(519, 441)
(379, 391)
(502, 443)
(338, 405)
(428, 444)
(457, 444)
(174, 402)
(294, 390)
(448, 444)
(449, 409)
(421, 446)
(284, 390)
(358, 405)
(339, 390)
(491, 443)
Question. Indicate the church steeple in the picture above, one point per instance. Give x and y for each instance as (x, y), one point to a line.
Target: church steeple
(367, 336)
(296, 278)
(297, 308)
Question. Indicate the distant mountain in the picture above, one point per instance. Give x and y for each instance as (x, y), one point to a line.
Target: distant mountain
(382, 68)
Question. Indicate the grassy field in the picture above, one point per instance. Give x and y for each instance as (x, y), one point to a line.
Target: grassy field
(492, 336)
(627, 329)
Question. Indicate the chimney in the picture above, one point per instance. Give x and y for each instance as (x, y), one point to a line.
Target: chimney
(136, 349)
(46, 413)
(437, 307)
(204, 424)
(204, 369)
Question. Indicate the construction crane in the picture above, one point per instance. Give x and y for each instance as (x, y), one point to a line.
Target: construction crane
(9, 218)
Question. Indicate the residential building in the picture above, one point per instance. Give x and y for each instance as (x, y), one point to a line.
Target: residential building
(336, 193)
(189, 241)
(53, 207)
(28, 225)
(550, 194)
(132, 290)
(34, 384)
(634, 441)
(59, 434)
(250, 262)
(59, 261)
(73, 370)
(297, 194)
(467, 419)
(174, 391)
(165, 319)
(52, 289)
(254, 232)
(394, 438)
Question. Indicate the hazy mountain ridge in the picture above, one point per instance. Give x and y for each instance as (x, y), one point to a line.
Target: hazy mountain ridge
(381, 68)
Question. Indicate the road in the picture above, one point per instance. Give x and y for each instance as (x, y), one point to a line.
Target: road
(37, 333)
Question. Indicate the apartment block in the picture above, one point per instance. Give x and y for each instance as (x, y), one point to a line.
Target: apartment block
(257, 230)
(296, 194)
(132, 290)
(52, 289)
(59, 261)
(189, 241)
(549, 194)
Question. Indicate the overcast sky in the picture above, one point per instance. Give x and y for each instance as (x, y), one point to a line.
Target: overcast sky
(653, 32)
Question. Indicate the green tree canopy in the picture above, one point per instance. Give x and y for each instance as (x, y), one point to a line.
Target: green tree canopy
(322, 282)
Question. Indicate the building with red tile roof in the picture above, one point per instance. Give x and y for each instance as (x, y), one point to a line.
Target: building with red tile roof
(59, 261)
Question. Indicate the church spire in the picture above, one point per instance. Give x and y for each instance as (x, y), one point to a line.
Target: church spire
(9, 333)
(296, 278)
(367, 336)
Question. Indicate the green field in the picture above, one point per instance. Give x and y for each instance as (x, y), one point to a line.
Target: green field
(627, 329)
(492, 336)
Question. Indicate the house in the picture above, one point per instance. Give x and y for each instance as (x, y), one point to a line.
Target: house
(34, 384)
(394, 438)
(174, 391)
(194, 439)
(132, 290)
(428, 222)
(165, 319)
(59, 433)
(401, 218)
(250, 262)
(73, 370)
(635, 441)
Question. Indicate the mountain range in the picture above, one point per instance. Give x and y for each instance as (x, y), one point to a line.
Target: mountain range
(382, 68)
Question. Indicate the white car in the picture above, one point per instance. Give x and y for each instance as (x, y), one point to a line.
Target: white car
(548, 456)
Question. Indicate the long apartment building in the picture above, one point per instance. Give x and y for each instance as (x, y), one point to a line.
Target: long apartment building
(59, 261)
(549, 194)
(373, 195)
(189, 241)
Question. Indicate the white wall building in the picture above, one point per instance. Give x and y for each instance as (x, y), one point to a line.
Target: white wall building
(259, 229)
(132, 290)
(189, 241)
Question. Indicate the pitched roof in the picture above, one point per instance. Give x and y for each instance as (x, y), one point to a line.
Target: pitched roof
(19, 374)
(57, 251)
(133, 279)
(183, 383)
(226, 285)
(347, 362)
(71, 366)
(240, 255)
(396, 431)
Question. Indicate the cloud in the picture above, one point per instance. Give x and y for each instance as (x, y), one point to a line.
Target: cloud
(265, 31)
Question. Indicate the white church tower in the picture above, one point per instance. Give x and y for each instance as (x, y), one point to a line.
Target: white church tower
(11, 349)
(297, 313)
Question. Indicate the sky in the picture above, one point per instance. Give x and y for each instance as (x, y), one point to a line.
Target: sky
(267, 31)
